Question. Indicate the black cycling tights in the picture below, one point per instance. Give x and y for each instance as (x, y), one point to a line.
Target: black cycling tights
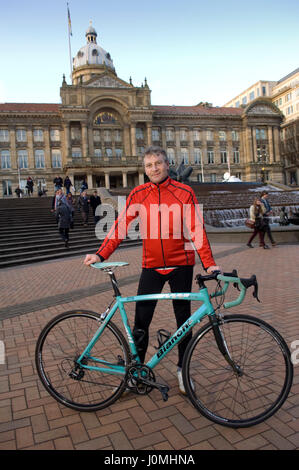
(152, 282)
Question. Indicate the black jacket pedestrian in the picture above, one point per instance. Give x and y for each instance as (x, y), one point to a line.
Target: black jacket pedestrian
(95, 201)
(64, 215)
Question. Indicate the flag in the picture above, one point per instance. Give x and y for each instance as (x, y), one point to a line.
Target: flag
(69, 20)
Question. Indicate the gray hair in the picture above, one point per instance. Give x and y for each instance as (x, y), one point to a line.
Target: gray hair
(156, 150)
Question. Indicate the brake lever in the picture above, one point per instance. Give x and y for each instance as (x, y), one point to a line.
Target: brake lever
(255, 292)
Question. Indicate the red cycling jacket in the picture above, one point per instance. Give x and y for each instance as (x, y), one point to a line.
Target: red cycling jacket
(169, 218)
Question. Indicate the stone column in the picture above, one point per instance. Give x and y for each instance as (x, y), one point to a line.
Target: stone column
(149, 133)
(48, 163)
(133, 139)
(178, 157)
(276, 145)
(107, 180)
(125, 180)
(126, 140)
(90, 142)
(270, 140)
(31, 162)
(67, 149)
(13, 152)
(163, 132)
(141, 178)
(254, 150)
(89, 181)
(84, 140)
(191, 146)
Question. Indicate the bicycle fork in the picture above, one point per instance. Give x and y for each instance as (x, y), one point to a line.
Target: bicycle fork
(222, 346)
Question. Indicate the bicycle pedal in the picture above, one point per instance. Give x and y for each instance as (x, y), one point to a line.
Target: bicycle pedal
(162, 337)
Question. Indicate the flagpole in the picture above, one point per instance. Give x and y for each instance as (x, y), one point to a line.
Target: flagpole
(70, 34)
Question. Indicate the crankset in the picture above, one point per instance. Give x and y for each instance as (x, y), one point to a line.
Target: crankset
(141, 380)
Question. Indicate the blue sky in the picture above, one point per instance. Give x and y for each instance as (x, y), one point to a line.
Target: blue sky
(189, 51)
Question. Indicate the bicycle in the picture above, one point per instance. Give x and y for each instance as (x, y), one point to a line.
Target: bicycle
(237, 369)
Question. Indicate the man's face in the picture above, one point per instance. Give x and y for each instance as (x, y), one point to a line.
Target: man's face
(156, 168)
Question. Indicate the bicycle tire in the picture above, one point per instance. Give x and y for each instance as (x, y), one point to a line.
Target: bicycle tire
(222, 396)
(61, 342)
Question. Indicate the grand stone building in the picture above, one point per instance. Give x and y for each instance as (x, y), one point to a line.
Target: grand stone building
(103, 124)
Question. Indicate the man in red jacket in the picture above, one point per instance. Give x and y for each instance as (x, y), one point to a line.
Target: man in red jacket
(172, 229)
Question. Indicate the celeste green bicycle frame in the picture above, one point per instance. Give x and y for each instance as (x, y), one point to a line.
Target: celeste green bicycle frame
(205, 309)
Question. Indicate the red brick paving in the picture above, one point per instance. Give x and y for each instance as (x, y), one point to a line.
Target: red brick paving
(31, 419)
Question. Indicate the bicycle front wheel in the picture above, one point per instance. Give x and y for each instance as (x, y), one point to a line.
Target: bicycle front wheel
(61, 343)
(263, 362)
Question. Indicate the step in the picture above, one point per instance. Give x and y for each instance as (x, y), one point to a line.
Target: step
(49, 257)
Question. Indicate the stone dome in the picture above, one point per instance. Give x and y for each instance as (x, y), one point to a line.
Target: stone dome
(92, 53)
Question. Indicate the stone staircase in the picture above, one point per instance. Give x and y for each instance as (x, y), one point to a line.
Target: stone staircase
(28, 233)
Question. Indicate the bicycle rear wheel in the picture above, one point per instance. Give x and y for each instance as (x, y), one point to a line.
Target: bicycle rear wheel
(264, 379)
(61, 343)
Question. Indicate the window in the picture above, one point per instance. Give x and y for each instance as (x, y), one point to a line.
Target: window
(107, 135)
(108, 152)
(96, 136)
(236, 156)
(118, 152)
(238, 175)
(97, 153)
(183, 135)
(21, 135)
(213, 177)
(75, 133)
(118, 136)
(139, 133)
(140, 151)
(260, 134)
(56, 159)
(237, 104)
(289, 109)
(244, 100)
(210, 135)
(5, 159)
(38, 135)
(196, 135)
(288, 97)
(251, 95)
(223, 156)
(199, 177)
(6, 188)
(22, 159)
(171, 156)
(39, 159)
(210, 156)
(55, 135)
(264, 90)
(222, 136)
(169, 135)
(4, 135)
(185, 156)
(76, 152)
(155, 135)
(197, 156)
(235, 135)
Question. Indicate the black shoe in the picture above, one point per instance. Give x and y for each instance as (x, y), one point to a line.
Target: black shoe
(249, 245)
(66, 244)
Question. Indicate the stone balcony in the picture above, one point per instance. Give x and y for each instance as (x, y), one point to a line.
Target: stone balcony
(104, 162)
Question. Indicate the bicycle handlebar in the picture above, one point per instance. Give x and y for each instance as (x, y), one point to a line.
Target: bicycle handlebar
(242, 284)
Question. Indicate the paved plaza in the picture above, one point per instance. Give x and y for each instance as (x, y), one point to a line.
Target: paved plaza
(31, 419)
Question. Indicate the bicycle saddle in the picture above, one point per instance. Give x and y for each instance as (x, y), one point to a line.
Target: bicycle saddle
(112, 264)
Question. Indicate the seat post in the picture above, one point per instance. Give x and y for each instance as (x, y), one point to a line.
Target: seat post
(114, 284)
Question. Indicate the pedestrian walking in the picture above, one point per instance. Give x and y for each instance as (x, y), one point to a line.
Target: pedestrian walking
(64, 217)
(67, 184)
(95, 201)
(283, 217)
(58, 183)
(18, 191)
(268, 212)
(256, 213)
(83, 207)
(29, 185)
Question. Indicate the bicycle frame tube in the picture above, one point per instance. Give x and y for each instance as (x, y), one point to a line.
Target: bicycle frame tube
(196, 317)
